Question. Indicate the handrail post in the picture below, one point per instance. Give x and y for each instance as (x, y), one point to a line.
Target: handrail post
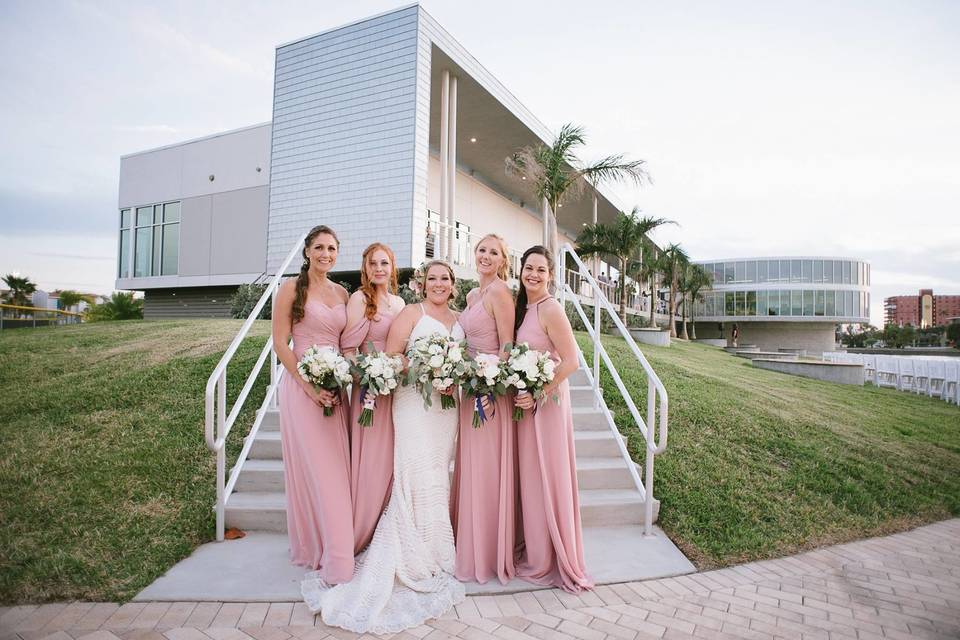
(596, 350)
(648, 486)
(221, 451)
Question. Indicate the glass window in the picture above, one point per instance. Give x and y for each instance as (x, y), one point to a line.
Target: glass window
(751, 303)
(728, 275)
(171, 249)
(762, 271)
(142, 256)
(728, 303)
(740, 274)
(125, 219)
(751, 271)
(807, 271)
(846, 272)
(761, 303)
(784, 302)
(708, 305)
(784, 271)
(848, 303)
(795, 271)
(819, 303)
(144, 216)
(124, 269)
(157, 249)
(796, 302)
(808, 302)
(828, 270)
(773, 303)
(857, 303)
(818, 270)
(830, 308)
(740, 303)
(171, 212)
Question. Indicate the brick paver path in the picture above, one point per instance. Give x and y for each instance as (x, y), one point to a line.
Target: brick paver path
(900, 586)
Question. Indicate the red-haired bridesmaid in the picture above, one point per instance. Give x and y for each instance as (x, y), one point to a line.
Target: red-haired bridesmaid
(483, 498)
(316, 453)
(548, 468)
(370, 312)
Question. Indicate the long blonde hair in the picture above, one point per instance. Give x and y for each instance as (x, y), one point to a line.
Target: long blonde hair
(504, 270)
(367, 287)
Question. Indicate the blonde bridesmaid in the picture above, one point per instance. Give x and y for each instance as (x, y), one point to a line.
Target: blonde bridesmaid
(316, 454)
(553, 554)
(483, 498)
(370, 312)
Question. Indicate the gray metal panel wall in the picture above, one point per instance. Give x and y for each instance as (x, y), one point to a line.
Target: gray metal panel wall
(187, 302)
(344, 129)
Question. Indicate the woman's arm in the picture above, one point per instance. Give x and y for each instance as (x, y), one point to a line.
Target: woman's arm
(282, 325)
(557, 327)
(502, 309)
(356, 309)
(400, 331)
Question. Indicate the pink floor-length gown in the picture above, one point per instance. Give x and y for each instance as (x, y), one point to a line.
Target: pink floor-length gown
(316, 458)
(484, 493)
(549, 495)
(371, 448)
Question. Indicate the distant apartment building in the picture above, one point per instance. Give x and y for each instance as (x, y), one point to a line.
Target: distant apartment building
(922, 310)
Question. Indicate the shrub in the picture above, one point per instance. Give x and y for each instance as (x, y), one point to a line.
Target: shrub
(246, 298)
(120, 306)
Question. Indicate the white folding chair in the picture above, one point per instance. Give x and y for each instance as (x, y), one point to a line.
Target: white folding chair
(870, 369)
(887, 374)
(937, 372)
(906, 380)
(951, 382)
(921, 376)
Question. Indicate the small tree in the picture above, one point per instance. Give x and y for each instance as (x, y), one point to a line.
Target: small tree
(21, 288)
(70, 298)
(120, 306)
(674, 259)
(695, 279)
(953, 334)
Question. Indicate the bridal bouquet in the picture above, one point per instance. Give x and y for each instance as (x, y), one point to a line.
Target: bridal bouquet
(378, 375)
(437, 362)
(486, 379)
(527, 371)
(324, 368)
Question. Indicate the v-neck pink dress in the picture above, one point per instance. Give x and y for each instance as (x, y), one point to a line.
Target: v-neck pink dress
(371, 448)
(484, 492)
(316, 458)
(550, 499)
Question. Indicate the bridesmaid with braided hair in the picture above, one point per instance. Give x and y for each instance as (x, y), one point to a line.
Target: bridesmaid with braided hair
(316, 453)
(370, 312)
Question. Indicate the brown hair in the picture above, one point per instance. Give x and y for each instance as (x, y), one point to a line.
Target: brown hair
(367, 287)
(521, 310)
(504, 269)
(426, 269)
(303, 279)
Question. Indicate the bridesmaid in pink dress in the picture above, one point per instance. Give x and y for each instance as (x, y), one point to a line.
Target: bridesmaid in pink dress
(316, 453)
(484, 493)
(548, 468)
(370, 312)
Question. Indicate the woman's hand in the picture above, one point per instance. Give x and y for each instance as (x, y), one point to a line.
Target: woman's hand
(448, 391)
(524, 400)
(323, 397)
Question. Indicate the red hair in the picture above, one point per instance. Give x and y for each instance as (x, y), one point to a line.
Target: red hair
(366, 285)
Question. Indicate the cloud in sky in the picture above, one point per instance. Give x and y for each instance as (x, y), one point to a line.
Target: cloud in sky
(769, 128)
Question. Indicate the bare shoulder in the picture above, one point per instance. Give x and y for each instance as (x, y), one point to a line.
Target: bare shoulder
(501, 292)
(288, 287)
(342, 292)
(411, 312)
(552, 311)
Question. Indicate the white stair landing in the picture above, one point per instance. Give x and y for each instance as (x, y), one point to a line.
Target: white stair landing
(256, 568)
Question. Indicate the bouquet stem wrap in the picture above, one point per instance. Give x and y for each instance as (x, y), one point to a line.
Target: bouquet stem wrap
(479, 414)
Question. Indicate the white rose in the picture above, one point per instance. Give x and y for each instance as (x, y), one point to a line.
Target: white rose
(438, 384)
(435, 348)
(392, 383)
(455, 354)
(436, 361)
(520, 384)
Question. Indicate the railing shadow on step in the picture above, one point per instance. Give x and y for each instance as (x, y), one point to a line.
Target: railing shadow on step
(657, 399)
(217, 422)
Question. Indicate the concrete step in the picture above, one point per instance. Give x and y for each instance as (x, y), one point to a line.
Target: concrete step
(579, 378)
(257, 511)
(581, 396)
(610, 507)
(271, 420)
(596, 444)
(266, 446)
(261, 475)
(589, 419)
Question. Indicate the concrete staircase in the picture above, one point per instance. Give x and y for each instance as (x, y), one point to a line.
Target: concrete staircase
(608, 496)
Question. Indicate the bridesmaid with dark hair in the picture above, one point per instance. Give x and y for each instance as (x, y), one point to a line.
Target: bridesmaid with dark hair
(484, 494)
(316, 453)
(370, 312)
(549, 496)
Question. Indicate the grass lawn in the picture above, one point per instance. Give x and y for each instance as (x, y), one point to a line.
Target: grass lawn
(762, 464)
(105, 480)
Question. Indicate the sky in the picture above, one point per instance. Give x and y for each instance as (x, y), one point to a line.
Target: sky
(769, 128)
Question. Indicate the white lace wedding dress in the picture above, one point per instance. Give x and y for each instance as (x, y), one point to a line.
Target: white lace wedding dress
(405, 576)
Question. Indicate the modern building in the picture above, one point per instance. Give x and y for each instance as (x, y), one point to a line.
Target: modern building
(385, 129)
(922, 310)
(784, 301)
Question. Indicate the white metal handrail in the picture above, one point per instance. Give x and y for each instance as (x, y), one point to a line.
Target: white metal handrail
(217, 422)
(657, 399)
(458, 243)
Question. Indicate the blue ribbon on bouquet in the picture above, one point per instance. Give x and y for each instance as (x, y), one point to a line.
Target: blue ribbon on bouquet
(478, 401)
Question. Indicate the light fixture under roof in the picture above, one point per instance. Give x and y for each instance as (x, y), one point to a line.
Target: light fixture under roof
(523, 177)
(473, 139)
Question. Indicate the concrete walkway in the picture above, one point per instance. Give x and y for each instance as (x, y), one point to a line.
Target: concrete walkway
(901, 586)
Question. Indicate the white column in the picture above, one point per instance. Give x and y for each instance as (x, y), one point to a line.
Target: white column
(451, 167)
(441, 239)
(545, 208)
(593, 220)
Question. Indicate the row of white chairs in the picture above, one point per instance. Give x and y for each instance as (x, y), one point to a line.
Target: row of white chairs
(934, 377)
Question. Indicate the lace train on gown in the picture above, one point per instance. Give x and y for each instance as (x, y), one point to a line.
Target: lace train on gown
(406, 575)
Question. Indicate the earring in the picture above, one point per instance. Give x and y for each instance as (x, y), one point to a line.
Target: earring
(305, 265)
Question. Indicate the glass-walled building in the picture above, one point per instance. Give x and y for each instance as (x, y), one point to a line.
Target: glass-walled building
(783, 302)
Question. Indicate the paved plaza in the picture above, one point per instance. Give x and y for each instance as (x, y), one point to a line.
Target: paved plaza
(900, 586)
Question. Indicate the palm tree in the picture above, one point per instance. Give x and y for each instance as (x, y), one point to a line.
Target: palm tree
(69, 298)
(556, 174)
(623, 239)
(674, 259)
(21, 288)
(699, 280)
(120, 306)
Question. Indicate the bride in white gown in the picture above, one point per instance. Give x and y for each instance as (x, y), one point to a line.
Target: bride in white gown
(406, 574)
